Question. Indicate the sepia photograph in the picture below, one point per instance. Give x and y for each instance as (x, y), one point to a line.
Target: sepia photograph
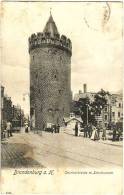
(61, 96)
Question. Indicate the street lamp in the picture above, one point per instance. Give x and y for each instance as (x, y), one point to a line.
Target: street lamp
(87, 113)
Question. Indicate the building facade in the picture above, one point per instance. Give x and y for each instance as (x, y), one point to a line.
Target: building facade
(50, 76)
(18, 116)
(10, 112)
(113, 111)
(84, 94)
(117, 108)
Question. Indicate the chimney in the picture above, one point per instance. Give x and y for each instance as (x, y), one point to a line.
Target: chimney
(85, 88)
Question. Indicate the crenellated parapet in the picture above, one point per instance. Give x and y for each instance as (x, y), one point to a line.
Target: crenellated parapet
(45, 39)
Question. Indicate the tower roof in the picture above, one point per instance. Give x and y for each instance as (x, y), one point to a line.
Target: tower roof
(51, 27)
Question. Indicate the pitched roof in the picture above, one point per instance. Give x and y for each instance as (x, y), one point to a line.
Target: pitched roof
(67, 120)
(51, 27)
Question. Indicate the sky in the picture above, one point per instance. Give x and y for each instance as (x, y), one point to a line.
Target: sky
(96, 44)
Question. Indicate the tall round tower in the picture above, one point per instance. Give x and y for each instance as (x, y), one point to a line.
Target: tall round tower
(50, 76)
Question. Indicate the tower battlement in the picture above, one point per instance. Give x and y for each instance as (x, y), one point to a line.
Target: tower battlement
(46, 39)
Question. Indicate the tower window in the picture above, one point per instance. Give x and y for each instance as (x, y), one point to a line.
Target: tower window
(60, 91)
(55, 76)
(113, 114)
(106, 117)
(119, 105)
(105, 109)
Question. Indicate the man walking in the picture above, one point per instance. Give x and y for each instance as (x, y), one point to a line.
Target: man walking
(58, 128)
(26, 128)
(89, 130)
(76, 129)
(9, 128)
(85, 130)
(114, 134)
(104, 133)
(98, 130)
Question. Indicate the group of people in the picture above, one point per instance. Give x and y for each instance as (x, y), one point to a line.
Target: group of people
(91, 131)
(116, 134)
(55, 128)
(8, 130)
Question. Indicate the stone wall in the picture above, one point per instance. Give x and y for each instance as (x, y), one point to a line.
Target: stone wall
(50, 87)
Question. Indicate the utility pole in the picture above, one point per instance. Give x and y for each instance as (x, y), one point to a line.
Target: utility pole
(87, 114)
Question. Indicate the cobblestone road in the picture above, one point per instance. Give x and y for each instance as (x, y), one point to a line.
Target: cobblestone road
(14, 155)
(59, 150)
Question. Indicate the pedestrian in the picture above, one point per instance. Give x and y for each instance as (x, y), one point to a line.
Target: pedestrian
(89, 130)
(8, 128)
(52, 129)
(119, 134)
(94, 135)
(114, 134)
(104, 133)
(98, 130)
(26, 128)
(85, 130)
(11, 130)
(58, 128)
(55, 128)
(76, 129)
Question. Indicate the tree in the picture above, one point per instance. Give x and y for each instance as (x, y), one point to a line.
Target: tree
(75, 108)
(88, 110)
(100, 101)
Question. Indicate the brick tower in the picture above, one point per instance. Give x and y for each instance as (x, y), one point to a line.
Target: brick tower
(50, 76)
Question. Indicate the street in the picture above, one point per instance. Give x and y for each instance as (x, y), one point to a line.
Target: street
(59, 150)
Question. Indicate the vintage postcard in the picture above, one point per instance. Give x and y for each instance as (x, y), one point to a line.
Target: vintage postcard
(61, 97)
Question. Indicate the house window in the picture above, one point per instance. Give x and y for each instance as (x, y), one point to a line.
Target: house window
(105, 109)
(113, 114)
(119, 105)
(118, 114)
(106, 117)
